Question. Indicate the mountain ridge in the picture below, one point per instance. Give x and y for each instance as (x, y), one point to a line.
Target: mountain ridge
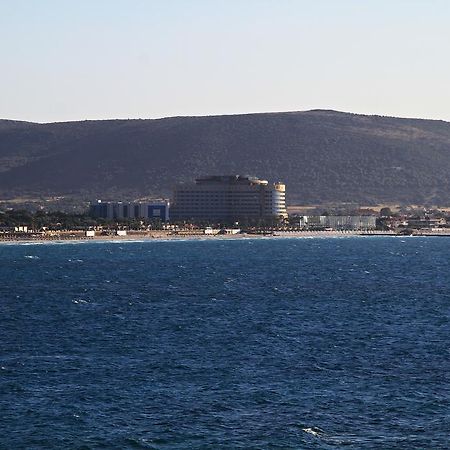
(322, 155)
(314, 110)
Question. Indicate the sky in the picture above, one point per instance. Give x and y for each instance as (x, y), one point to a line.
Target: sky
(67, 60)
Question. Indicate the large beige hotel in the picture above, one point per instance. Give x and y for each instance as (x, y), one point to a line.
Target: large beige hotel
(229, 198)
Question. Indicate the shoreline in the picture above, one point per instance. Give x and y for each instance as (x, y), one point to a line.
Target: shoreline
(165, 236)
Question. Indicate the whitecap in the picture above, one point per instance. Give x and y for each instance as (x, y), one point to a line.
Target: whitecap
(315, 431)
(79, 300)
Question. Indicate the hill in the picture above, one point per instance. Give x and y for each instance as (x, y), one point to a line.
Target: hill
(323, 156)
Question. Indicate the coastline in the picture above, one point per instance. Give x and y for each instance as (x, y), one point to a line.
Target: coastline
(167, 236)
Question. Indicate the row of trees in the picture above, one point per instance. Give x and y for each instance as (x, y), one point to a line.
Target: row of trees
(57, 220)
(41, 219)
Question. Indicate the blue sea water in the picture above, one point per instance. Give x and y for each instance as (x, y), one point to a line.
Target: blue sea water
(226, 344)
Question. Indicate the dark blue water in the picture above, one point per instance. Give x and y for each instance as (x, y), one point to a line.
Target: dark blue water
(239, 344)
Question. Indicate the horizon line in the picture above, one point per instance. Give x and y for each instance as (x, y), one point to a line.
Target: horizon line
(314, 110)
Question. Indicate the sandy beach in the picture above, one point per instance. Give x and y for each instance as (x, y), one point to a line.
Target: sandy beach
(168, 235)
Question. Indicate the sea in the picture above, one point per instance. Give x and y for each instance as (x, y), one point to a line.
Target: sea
(296, 343)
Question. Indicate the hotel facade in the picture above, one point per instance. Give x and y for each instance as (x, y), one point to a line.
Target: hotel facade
(155, 210)
(228, 199)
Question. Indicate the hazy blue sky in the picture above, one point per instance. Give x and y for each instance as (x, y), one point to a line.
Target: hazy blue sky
(95, 59)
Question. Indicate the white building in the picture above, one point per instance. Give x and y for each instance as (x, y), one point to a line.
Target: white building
(339, 222)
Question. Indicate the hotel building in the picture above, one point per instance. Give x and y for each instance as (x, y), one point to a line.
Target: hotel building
(155, 210)
(229, 199)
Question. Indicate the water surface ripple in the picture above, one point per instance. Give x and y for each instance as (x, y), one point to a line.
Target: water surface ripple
(232, 344)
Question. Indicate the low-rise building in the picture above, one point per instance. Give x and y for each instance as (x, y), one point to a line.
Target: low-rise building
(426, 222)
(339, 222)
(153, 210)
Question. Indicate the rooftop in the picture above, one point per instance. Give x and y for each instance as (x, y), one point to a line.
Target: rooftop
(230, 179)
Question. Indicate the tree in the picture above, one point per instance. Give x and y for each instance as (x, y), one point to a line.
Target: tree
(386, 212)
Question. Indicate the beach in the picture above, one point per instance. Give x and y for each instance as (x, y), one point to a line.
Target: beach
(170, 235)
